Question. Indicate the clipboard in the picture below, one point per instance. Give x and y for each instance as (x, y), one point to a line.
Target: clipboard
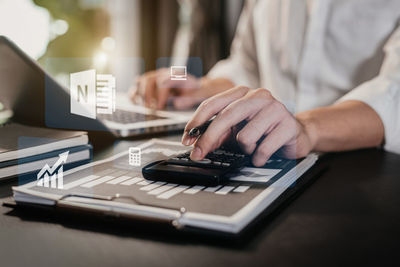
(233, 212)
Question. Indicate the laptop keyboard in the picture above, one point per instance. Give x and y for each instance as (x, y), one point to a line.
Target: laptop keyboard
(123, 116)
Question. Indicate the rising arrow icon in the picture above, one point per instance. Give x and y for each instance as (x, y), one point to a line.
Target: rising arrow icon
(61, 160)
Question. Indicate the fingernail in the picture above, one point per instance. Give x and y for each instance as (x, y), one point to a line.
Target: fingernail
(258, 162)
(196, 154)
(185, 139)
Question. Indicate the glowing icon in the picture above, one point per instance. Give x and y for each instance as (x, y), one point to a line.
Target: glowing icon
(134, 156)
(53, 177)
(178, 73)
(92, 94)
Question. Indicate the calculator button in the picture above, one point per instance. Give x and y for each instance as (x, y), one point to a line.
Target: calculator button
(203, 161)
(218, 152)
(229, 154)
(217, 163)
(226, 164)
(175, 158)
(184, 159)
(239, 155)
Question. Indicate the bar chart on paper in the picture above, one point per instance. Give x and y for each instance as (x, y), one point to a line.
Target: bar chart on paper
(130, 180)
(161, 190)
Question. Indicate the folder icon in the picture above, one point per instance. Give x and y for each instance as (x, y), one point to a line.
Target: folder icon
(92, 94)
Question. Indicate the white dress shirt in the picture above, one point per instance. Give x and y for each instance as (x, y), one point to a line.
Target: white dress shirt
(312, 53)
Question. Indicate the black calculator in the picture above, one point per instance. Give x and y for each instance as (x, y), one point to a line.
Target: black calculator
(214, 169)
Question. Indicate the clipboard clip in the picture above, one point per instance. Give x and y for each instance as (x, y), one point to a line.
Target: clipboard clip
(174, 222)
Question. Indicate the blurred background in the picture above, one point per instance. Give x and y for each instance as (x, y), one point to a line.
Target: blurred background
(106, 29)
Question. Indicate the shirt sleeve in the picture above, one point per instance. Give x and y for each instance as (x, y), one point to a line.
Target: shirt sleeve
(241, 66)
(382, 93)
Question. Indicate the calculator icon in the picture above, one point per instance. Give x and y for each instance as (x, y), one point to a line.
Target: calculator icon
(134, 156)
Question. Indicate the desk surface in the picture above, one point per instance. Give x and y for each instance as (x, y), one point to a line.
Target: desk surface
(348, 216)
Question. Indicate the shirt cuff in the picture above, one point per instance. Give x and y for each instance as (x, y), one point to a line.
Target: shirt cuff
(382, 95)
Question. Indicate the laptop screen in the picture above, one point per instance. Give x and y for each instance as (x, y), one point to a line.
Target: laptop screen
(34, 97)
(21, 84)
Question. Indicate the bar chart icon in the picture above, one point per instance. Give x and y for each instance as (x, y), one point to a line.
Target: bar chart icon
(92, 93)
(53, 176)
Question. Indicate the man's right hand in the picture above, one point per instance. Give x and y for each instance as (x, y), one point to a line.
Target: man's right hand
(269, 126)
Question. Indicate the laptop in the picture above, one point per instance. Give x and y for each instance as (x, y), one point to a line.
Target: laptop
(36, 98)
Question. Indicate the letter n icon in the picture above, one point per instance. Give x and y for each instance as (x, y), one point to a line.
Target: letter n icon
(83, 93)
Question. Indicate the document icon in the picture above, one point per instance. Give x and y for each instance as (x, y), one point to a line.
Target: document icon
(53, 177)
(92, 94)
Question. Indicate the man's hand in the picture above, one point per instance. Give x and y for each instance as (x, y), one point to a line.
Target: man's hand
(270, 126)
(154, 88)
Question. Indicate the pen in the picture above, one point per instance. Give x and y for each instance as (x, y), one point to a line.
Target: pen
(196, 131)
